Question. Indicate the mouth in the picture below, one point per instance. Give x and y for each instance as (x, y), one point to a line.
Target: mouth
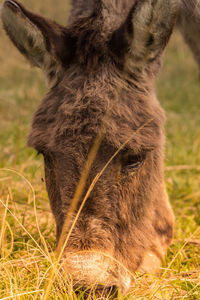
(96, 270)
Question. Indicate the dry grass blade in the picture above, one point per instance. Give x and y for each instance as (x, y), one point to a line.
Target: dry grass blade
(79, 190)
(35, 210)
(72, 208)
(64, 240)
(174, 258)
(21, 225)
(3, 225)
(166, 270)
(193, 242)
(183, 168)
(12, 240)
(18, 296)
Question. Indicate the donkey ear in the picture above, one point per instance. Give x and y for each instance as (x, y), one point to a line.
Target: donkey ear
(43, 42)
(146, 31)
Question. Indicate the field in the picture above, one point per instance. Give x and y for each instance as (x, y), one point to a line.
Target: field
(27, 230)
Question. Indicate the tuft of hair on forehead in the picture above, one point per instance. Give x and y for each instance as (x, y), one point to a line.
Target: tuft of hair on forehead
(113, 12)
(81, 9)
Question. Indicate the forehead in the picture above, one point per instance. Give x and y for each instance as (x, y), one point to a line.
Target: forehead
(73, 113)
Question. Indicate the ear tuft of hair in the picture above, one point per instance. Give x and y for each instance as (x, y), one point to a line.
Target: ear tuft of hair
(81, 9)
(153, 22)
(145, 33)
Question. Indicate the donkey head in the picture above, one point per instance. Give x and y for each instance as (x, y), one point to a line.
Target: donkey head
(101, 70)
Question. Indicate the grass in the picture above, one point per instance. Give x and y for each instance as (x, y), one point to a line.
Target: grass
(24, 263)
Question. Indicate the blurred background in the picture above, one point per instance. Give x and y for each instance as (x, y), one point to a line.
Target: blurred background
(178, 89)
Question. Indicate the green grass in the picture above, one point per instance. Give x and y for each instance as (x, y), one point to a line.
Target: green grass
(23, 267)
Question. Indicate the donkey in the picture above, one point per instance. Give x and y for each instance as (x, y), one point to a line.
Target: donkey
(101, 71)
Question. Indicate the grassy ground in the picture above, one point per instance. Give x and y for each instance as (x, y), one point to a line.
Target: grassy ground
(23, 265)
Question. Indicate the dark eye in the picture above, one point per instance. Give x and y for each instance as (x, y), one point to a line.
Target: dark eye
(132, 163)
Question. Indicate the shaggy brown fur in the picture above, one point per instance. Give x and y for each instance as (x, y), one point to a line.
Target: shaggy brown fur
(105, 60)
(188, 21)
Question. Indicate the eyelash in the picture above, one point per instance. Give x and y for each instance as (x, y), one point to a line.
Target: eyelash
(132, 163)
